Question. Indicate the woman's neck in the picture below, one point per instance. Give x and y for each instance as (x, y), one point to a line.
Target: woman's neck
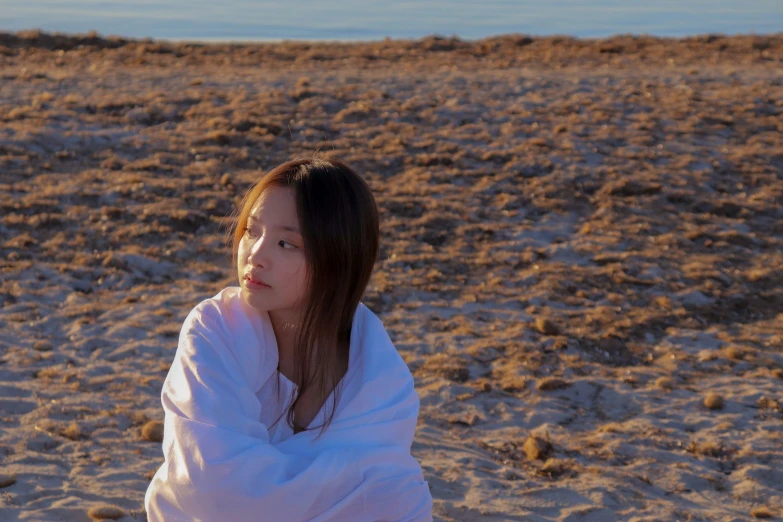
(285, 336)
(286, 360)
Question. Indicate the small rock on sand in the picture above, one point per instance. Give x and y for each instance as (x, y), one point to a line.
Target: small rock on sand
(7, 479)
(42, 346)
(734, 353)
(536, 448)
(761, 512)
(105, 512)
(152, 431)
(713, 401)
(551, 383)
(546, 326)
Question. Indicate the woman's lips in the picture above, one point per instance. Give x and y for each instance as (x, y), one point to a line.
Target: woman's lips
(254, 284)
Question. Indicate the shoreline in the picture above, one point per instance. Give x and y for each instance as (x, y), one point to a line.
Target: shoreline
(24, 34)
(505, 51)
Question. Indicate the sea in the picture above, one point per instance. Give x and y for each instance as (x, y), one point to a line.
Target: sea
(341, 20)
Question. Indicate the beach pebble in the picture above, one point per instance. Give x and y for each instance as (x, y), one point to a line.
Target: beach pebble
(152, 431)
(665, 383)
(546, 326)
(551, 383)
(106, 512)
(761, 512)
(536, 448)
(713, 401)
(7, 479)
(734, 353)
(42, 346)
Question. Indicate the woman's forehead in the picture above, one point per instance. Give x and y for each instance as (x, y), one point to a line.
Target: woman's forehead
(277, 206)
(277, 198)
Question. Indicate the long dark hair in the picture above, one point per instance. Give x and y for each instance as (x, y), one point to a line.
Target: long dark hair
(338, 218)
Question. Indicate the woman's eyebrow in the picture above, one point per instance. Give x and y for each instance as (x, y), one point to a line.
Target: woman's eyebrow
(282, 227)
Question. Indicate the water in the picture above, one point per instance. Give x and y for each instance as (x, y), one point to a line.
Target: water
(375, 19)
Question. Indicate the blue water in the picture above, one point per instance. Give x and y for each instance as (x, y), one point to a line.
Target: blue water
(375, 19)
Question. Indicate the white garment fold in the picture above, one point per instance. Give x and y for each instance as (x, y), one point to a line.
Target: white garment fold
(220, 463)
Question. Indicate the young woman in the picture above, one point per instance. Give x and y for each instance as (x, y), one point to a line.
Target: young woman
(292, 343)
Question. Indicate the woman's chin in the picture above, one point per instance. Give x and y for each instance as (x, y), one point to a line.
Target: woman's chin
(253, 299)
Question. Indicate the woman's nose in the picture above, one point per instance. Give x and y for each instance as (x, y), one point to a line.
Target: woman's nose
(258, 251)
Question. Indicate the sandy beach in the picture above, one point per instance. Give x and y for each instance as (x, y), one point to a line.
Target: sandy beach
(581, 260)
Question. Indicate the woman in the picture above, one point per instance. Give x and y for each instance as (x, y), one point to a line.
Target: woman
(292, 342)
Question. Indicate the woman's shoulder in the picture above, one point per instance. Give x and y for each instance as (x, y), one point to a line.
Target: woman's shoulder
(220, 303)
(226, 310)
(231, 329)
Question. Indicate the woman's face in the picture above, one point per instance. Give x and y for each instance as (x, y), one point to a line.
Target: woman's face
(271, 262)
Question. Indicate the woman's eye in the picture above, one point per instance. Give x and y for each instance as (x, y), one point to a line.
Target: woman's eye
(282, 243)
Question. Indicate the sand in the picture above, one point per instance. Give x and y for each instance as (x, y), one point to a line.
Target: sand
(582, 258)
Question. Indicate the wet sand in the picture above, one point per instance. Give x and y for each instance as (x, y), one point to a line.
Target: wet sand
(581, 262)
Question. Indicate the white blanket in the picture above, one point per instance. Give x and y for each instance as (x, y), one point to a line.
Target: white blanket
(220, 463)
